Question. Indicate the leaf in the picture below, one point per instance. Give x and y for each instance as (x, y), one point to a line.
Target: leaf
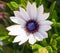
(13, 5)
(53, 43)
(58, 24)
(38, 2)
(19, 1)
(36, 46)
(49, 48)
(3, 33)
(44, 42)
(54, 15)
(23, 3)
(52, 7)
(58, 41)
(54, 25)
(54, 36)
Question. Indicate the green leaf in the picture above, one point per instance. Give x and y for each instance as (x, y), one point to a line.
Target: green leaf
(49, 48)
(8, 4)
(58, 24)
(1, 49)
(54, 15)
(54, 36)
(52, 7)
(14, 4)
(19, 1)
(54, 25)
(53, 43)
(58, 41)
(44, 42)
(38, 2)
(3, 37)
(23, 3)
(3, 33)
(36, 46)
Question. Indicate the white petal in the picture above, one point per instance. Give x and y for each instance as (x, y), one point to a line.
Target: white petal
(24, 14)
(38, 36)
(44, 28)
(29, 8)
(40, 18)
(44, 34)
(18, 20)
(1, 43)
(40, 9)
(47, 22)
(32, 40)
(16, 30)
(24, 38)
(21, 39)
(32, 10)
(17, 39)
(17, 13)
(40, 13)
(20, 43)
(45, 16)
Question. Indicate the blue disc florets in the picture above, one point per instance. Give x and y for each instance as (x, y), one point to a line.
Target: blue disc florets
(32, 26)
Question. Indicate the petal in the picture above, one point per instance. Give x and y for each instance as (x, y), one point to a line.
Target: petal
(24, 14)
(20, 43)
(17, 13)
(32, 40)
(16, 30)
(23, 39)
(45, 16)
(32, 10)
(42, 17)
(17, 39)
(18, 20)
(40, 13)
(47, 22)
(38, 36)
(1, 43)
(40, 9)
(29, 8)
(44, 28)
(44, 34)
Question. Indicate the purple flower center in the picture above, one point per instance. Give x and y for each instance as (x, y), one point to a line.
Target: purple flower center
(32, 26)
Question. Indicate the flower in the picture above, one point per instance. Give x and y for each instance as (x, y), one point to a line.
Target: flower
(31, 24)
(1, 43)
(2, 5)
(3, 15)
(43, 50)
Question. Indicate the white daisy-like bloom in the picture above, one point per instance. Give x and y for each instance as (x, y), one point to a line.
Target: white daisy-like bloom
(32, 24)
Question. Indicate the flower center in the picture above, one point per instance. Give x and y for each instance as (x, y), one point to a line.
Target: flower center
(32, 26)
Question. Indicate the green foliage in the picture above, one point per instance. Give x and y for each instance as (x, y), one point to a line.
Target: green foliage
(3, 33)
(49, 48)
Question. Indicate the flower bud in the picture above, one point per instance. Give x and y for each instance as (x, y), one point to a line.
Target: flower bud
(42, 50)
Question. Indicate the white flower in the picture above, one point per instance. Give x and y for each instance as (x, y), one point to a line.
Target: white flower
(1, 43)
(32, 24)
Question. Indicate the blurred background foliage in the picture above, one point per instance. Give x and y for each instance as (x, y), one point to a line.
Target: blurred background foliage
(52, 44)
